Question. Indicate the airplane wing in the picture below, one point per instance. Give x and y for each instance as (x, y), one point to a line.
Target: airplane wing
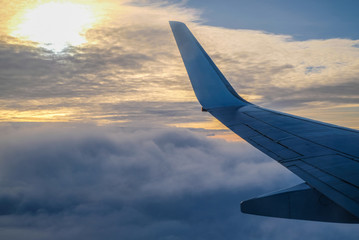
(325, 156)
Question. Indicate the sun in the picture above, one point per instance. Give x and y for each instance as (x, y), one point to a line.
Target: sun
(55, 25)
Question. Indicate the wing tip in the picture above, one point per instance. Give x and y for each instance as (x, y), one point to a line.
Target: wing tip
(175, 22)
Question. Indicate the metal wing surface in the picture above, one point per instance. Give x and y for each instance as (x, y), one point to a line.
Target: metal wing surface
(325, 156)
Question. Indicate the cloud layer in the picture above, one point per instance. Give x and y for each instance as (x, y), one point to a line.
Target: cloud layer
(89, 182)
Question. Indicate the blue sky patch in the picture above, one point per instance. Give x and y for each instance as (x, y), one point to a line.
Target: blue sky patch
(314, 69)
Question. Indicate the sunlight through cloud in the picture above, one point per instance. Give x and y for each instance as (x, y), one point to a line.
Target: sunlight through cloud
(55, 25)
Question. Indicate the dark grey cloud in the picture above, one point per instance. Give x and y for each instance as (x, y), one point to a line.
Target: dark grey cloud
(257, 79)
(329, 95)
(35, 73)
(86, 182)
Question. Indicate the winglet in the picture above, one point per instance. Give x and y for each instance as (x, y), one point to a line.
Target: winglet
(210, 86)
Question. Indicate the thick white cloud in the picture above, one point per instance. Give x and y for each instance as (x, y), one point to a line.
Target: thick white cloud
(128, 163)
(93, 182)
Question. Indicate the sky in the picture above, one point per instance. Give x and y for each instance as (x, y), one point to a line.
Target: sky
(101, 133)
(302, 20)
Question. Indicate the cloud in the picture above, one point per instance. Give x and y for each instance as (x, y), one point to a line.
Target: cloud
(131, 66)
(91, 182)
(128, 61)
(152, 162)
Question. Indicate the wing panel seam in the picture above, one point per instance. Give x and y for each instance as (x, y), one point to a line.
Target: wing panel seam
(321, 170)
(300, 136)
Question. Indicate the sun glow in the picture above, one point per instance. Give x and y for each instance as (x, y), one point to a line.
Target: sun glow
(55, 25)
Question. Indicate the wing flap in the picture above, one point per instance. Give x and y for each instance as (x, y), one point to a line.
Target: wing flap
(337, 165)
(333, 188)
(298, 202)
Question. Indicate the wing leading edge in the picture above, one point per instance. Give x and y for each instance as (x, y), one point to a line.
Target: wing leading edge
(323, 155)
